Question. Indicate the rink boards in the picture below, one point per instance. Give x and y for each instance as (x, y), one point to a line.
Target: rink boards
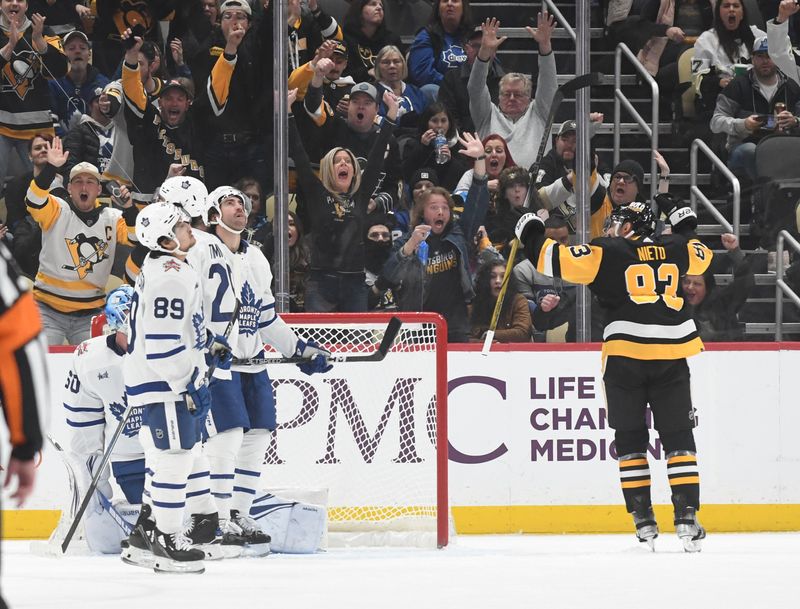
(530, 450)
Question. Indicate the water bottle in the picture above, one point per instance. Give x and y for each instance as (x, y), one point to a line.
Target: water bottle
(422, 252)
(439, 144)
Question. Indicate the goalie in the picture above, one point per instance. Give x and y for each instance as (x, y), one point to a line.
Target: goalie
(94, 406)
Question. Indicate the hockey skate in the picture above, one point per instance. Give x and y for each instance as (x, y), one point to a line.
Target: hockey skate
(202, 532)
(688, 529)
(174, 553)
(646, 525)
(232, 538)
(257, 540)
(137, 550)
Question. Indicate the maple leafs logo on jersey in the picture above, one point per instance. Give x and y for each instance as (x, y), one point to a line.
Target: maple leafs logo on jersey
(249, 311)
(134, 422)
(199, 331)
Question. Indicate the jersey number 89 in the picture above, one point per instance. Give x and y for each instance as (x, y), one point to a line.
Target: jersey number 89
(163, 307)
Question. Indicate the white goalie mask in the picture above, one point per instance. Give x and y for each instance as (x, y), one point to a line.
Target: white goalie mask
(214, 202)
(186, 192)
(158, 220)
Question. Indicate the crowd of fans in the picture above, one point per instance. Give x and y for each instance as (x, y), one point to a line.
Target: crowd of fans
(410, 164)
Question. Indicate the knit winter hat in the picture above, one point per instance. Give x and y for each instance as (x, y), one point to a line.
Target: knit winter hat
(631, 168)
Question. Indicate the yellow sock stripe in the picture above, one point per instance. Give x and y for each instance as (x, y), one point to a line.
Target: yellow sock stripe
(630, 463)
(684, 480)
(683, 459)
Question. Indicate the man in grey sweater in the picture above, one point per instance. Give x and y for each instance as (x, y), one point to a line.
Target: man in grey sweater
(517, 117)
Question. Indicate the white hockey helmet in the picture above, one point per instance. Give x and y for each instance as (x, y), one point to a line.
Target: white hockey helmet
(215, 199)
(186, 192)
(158, 220)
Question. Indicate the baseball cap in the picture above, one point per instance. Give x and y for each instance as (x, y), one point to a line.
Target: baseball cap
(84, 167)
(96, 92)
(177, 83)
(367, 89)
(236, 5)
(341, 48)
(566, 127)
(424, 174)
(73, 34)
(760, 45)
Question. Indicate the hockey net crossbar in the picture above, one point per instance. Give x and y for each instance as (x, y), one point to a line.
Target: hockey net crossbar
(374, 434)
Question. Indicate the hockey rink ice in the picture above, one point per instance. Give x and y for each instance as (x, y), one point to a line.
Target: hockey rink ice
(483, 571)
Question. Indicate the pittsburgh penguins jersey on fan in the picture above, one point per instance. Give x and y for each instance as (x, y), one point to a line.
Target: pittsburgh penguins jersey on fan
(168, 331)
(77, 248)
(638, 281)
(258, 322)
(95, 401)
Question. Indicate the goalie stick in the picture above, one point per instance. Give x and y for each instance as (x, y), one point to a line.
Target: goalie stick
(389, 336)
(118, 431)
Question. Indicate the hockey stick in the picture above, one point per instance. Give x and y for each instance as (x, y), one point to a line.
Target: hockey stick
(487, 341)
(567, 89)
(227, 334)
(389, 336)
(96, 478)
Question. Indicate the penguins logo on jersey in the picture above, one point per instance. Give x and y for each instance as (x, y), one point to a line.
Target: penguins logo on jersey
(249, 311)
(18, 73)
(132, 13)
(85, 253)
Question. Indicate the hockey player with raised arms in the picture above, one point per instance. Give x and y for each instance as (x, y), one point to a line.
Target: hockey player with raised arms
(647, 337)
(94, 404)
(243, 408)
(165, 372)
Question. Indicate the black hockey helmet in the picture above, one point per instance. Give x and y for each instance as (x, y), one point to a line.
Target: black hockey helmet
(640, 216)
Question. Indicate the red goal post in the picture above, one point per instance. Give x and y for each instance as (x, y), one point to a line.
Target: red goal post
(380, 446)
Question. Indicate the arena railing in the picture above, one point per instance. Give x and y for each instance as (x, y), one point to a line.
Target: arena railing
(620, 99)
(695, 194)
(781, 287)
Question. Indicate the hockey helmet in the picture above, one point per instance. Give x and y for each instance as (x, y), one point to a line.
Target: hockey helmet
(158, 220)
(186, 192)
(214, 202)
(639, 215)
(118, 305)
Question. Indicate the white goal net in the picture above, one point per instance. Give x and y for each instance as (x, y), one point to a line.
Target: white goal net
(372, 434)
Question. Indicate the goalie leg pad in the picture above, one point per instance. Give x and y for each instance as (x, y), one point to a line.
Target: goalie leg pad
(106, 526)
(295, 528)
(221, 450)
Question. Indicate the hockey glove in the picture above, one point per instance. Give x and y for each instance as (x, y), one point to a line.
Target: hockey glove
(198, 397)
(219, 349)
(677, 211)
(316, 355)
(529, 227)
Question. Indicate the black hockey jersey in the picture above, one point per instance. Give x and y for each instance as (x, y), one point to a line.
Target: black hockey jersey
(638, 281)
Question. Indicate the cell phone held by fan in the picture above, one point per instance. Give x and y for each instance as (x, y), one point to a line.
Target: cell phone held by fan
(767, 121)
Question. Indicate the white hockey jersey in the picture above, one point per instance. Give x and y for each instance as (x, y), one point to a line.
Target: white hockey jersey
(168, 331)
(219, 296)
(708, 52)
(95, 401)
(258, 322)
